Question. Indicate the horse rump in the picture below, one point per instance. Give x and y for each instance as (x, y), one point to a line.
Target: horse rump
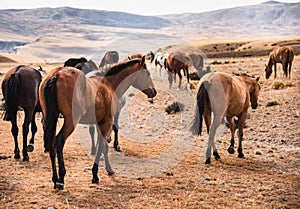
(11, 90)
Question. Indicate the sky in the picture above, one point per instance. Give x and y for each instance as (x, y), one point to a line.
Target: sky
(141, 7)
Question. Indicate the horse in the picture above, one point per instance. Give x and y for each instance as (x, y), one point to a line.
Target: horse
(224, 95)
(20, 89)
(72, 62)
(110, 57)
(197, 60)
(115, 127)
(283, 55)
(69, 92)
(174, 63)
(133, 56)
(159, 59)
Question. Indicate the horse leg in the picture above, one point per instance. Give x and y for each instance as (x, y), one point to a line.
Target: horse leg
(290, 68)
(241, 123)
(232, 130)
(284, 68)
(15, 131)
(52, 154)
(211, 143)
(25, 130)
(275, 70)
(180, 79)
(64, 133)
(170, 78)
(92, 134)
(116, 130)
(30, 146)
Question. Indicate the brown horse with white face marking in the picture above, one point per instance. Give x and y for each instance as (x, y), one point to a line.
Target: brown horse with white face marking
(224, 94)
(174, 63)
(69, 92)
(20, 89)
(283, 55)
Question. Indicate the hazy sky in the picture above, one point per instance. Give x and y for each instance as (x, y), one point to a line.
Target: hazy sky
(143, 7)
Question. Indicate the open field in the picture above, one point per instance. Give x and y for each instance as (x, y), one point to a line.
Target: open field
(162, 165)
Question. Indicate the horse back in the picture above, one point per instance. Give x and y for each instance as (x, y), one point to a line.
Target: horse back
(282, 54)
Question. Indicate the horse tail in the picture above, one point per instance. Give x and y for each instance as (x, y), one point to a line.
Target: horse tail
(12, 90)
(202, 97)
(50, 121)
(287, 62)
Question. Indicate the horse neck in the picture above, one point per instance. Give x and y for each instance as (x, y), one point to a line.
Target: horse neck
(271, 60)
(119, 82)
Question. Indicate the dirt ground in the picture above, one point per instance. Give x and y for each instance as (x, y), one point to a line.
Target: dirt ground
(162, 165)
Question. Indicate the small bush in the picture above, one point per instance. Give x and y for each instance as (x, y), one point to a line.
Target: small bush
(174, 107)
(272, 103)
(277, 85)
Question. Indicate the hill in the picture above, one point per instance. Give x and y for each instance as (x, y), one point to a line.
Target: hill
(58, 33)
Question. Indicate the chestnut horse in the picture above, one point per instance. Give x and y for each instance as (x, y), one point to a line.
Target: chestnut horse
(174, 63)
(110, 57)
(69, 92)
(223, 94)
(133, 56)
(283, 55)
(20, 89)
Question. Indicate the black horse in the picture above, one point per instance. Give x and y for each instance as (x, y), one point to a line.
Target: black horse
(20, 89)
(72, 62)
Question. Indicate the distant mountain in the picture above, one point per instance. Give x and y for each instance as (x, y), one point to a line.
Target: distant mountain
(43, 31)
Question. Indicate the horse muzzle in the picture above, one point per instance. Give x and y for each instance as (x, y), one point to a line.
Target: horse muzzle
(254, 106)
(150, 92)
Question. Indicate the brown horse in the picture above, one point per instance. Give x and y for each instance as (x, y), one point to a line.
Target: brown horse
(197, 60)
(283, 55)
(109, 58)
(69, 92)
(174, 63)
(224, 94)
(20, 89)
(133, 56)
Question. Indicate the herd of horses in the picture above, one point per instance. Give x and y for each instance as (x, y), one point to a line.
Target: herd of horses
(83, 93)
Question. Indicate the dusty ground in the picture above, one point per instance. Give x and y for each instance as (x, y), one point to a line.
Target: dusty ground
(161, 165)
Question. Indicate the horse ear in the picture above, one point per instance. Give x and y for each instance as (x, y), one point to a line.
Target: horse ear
(257, 79)
(143, 60)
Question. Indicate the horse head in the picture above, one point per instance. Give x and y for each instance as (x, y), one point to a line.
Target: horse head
(143, 80)
(254, 92)
(268, 71)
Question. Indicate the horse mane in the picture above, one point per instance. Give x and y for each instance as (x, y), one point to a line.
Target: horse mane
(116, 68)
(243, 74)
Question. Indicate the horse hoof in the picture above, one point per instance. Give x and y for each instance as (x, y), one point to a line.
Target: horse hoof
(95, 180)
(241, 155)
(207, 161)
(216, 154)
(17, 156)
(118, 149)
(25, 158)
(230, 150)
(110, 173)
(30, 148)
(59, 186)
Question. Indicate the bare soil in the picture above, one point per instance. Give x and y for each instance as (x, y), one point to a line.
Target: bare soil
(268, 177)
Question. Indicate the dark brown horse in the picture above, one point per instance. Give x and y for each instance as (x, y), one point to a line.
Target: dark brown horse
(72, 62)
(174, 63)
(69, 92)
(224, 94)
(20, 89)
(109, 58)
(283, 55)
